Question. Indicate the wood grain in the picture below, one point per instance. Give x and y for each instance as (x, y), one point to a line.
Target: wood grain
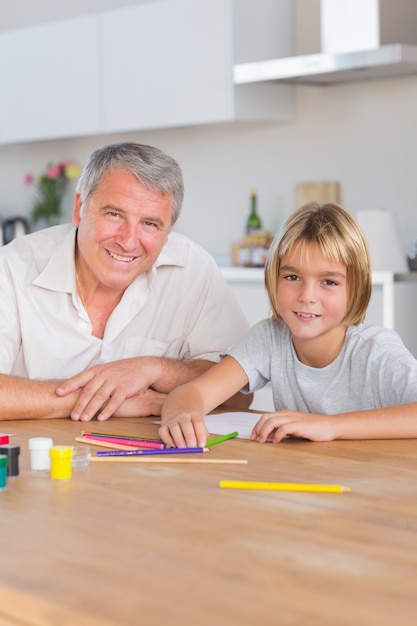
(320, 192)
(122, 544)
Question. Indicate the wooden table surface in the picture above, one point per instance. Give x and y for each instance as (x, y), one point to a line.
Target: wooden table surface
(128, 544)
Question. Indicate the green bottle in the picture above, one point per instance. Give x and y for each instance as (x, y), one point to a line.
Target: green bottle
(254, 221)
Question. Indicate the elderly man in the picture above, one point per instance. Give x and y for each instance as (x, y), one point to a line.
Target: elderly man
(116, 302)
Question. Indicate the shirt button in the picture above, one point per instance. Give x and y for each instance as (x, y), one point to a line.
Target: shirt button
(83, 325)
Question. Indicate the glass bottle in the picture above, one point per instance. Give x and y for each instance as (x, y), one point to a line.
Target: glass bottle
(412, 257)
(254, 222)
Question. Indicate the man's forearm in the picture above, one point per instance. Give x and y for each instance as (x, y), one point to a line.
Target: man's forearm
(169, 374)
(21, 398)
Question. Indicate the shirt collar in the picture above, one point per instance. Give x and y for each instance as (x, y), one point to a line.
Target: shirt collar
(58, 273)
(168, 254)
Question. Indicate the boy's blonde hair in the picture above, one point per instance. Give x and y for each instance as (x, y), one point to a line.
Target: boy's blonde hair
(340, 239)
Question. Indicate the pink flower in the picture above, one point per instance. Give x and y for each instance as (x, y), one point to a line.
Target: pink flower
(54, 171)
(50, 187)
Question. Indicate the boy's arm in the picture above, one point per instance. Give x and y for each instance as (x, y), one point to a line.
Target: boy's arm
(183, 412)
(394, 422)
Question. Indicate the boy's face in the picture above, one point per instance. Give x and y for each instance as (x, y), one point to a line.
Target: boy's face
(312, 299)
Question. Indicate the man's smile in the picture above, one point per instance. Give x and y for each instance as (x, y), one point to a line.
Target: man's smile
(118, 257)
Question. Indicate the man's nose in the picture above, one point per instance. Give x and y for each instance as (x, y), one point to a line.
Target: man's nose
(128, 235)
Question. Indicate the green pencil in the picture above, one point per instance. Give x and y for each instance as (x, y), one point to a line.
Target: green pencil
(211, 442)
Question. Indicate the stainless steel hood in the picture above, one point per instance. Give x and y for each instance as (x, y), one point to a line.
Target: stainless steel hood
(385, 61)
(360, 40)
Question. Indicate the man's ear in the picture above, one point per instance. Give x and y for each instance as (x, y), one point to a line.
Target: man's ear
(76, 214)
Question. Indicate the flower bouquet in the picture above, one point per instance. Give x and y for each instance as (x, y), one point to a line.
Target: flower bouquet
(50, 188)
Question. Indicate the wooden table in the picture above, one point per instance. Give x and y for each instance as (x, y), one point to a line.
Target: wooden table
(129, 544)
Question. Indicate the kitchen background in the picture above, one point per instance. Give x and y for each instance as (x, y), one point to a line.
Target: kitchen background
(362, 134)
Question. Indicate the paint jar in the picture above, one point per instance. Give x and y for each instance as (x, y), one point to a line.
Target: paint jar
(81, 456)
(12, 451)
(39, 453)
(60, 456)
(3, 471)
(4, 438)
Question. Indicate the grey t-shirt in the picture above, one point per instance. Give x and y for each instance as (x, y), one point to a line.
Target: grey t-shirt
(373, 369)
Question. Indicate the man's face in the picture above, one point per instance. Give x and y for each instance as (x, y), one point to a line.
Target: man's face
(121, 231)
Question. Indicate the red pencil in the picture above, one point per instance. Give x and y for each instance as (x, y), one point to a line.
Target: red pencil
(135, 443)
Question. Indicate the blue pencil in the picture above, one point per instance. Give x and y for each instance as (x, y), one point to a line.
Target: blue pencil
(144, 452)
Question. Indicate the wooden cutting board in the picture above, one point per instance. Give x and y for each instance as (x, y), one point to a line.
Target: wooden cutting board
(320, 192)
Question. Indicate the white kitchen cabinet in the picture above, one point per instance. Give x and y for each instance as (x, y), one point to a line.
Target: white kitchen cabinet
(164, 65)
(157, 64)
(169, 63)
(49, 81)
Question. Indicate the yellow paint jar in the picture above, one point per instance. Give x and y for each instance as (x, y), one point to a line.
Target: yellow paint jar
(61, 467)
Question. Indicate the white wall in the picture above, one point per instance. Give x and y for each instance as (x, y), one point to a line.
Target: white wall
(363, 135)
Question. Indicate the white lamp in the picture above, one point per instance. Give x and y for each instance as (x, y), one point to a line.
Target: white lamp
(382, 234)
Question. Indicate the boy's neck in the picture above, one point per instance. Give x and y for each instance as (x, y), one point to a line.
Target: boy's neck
(322, 350)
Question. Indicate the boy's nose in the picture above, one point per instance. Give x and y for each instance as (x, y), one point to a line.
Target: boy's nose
(307, 293)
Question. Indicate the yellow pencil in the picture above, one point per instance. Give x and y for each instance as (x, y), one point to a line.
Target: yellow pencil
(247, 484)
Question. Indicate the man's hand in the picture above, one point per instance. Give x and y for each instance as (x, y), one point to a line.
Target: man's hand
(146, 403)
(104, 388)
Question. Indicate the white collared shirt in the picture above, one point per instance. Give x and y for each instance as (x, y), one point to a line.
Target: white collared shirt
(181, 309)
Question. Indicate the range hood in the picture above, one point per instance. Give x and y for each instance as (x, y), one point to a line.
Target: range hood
(323, 69)
(357, 41)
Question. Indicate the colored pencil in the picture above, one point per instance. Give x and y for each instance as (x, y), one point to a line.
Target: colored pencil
(145, 452)
(105, 444)
(161, 459)
(97, 434)
(212, 442)
(246, 484)
(135, 443)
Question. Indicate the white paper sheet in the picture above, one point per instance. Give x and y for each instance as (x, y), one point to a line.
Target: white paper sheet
(225, 423)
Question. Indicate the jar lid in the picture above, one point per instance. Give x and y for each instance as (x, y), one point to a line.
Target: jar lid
(4, 438)
(40, 443)
(11, 449)
(61, 452)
